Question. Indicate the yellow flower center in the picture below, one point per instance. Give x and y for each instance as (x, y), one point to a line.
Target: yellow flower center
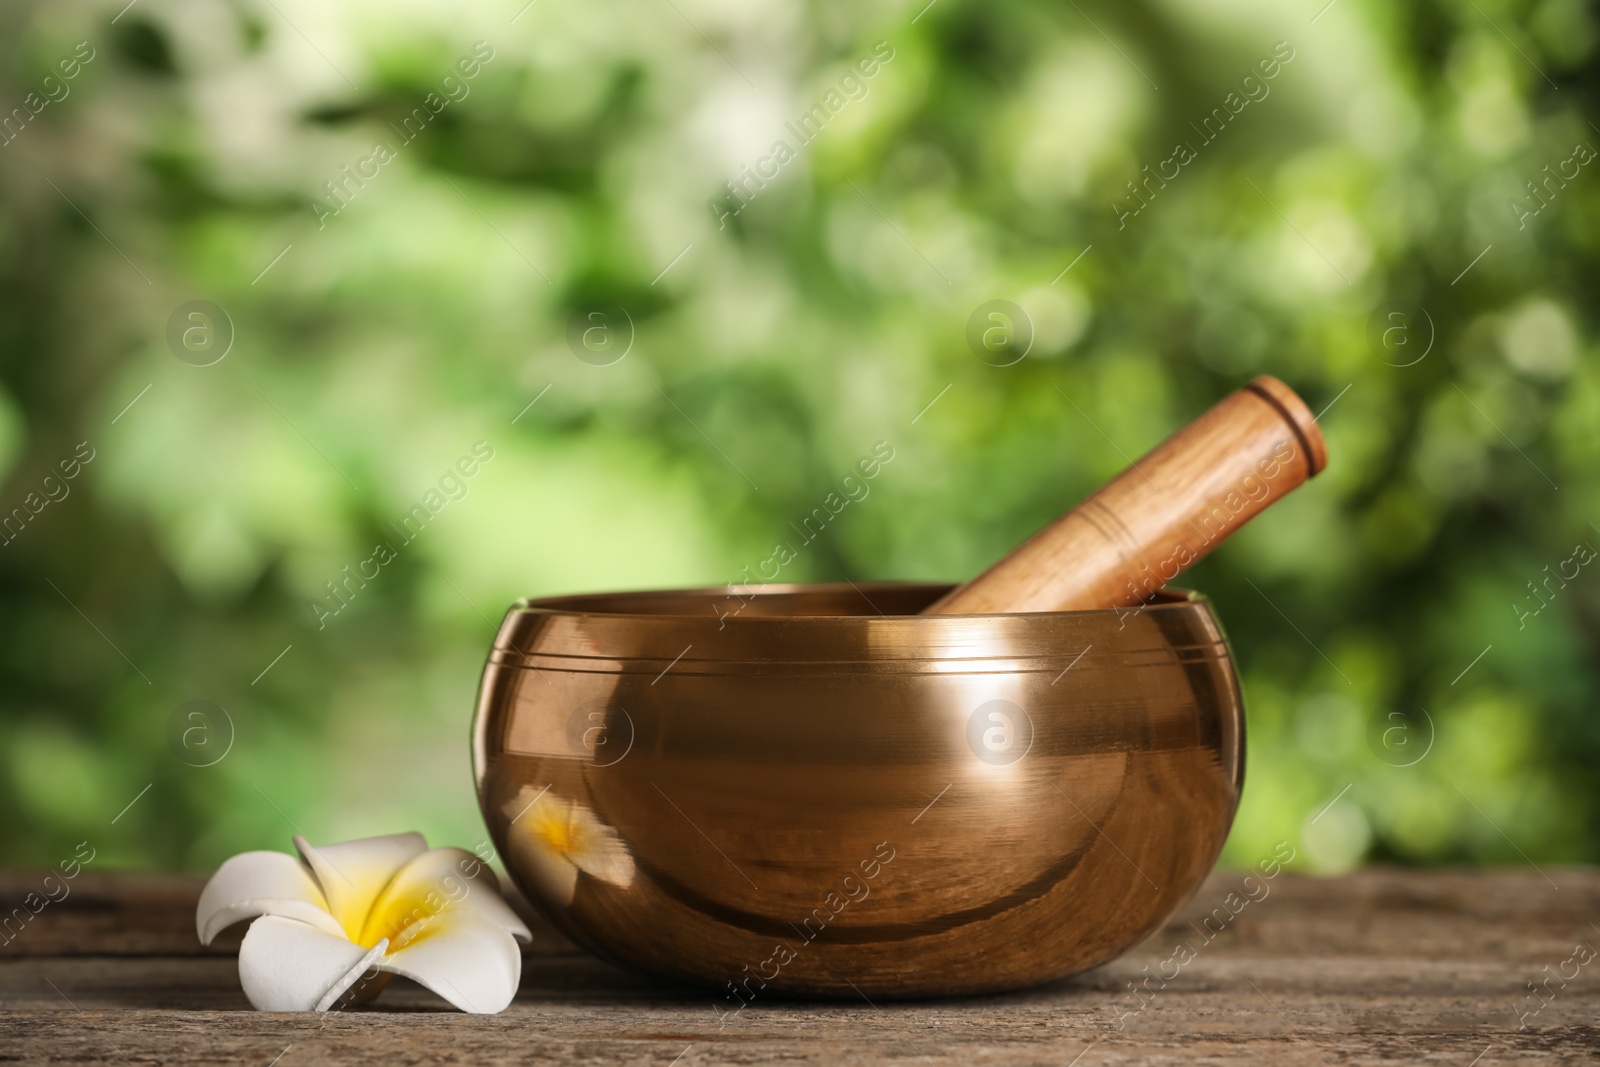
(395, 913)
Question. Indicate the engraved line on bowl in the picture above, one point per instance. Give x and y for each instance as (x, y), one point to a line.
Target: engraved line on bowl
(524, 656)
(923, 593)
(900, 633)
(954, 664)
(673, 664)
(1071, 665)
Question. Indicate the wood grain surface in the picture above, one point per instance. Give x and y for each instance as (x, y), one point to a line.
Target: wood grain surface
(1381, 967)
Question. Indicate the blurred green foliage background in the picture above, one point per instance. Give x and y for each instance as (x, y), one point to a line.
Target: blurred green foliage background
(992, 150)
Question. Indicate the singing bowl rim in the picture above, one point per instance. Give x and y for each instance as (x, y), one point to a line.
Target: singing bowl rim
(777, 627)
(1167, 599)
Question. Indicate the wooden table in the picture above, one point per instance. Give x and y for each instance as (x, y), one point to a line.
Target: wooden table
(1379, 967)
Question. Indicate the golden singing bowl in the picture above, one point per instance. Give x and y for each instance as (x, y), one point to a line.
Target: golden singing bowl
(812, 789)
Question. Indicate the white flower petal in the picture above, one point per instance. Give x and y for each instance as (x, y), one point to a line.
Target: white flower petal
(286, 965)
(367, 964)
(337, 925)
(468, 959)
(353, 873)
(440, 880)
(261, 883)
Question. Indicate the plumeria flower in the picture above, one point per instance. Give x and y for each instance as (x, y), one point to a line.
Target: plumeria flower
(345, 917)
(555, 839)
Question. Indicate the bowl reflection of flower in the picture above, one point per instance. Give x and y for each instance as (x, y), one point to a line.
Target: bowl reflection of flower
(555, 839)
